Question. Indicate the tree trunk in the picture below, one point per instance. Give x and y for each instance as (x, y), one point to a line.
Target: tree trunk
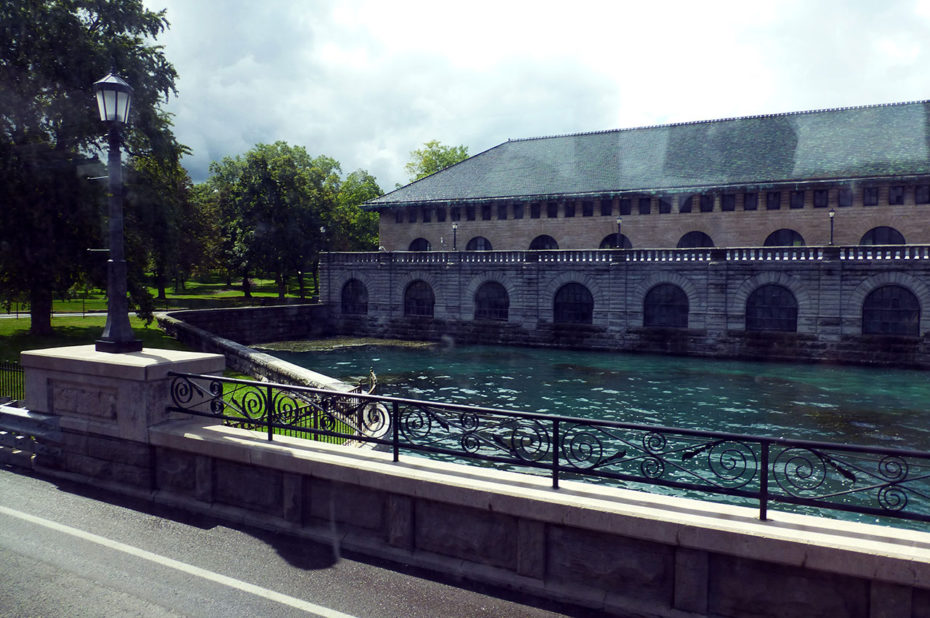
(246, 286)
(282, 285)
(160, 285)
(300, 284)
(40, 311)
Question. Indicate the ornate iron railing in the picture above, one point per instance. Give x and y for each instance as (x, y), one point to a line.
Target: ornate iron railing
(11, 381)
(761, 470)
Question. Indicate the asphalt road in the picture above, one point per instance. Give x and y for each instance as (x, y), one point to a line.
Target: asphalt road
(70, 550)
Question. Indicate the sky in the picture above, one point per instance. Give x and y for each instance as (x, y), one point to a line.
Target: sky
(367, 82)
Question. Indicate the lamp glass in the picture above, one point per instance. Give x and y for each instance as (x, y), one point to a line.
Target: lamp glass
(114, 98)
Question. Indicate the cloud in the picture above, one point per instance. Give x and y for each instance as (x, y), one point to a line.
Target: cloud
(367, 82)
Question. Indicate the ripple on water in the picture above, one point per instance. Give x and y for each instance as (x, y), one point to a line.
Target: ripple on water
(805, 401)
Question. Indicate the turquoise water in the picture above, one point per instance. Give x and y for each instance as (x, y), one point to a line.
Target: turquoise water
(852, 405)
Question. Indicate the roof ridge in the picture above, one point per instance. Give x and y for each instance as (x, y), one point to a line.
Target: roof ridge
(727, 119)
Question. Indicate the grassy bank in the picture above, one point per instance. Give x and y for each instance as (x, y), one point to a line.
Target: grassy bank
(203, 294)
(15, 336)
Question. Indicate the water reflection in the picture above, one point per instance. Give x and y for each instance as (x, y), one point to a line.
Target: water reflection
(819, 402)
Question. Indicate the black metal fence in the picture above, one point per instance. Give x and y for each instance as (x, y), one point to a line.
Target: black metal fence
(12, 385)
(755, 469)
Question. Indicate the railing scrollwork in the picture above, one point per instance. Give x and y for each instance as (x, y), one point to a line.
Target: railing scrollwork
(765, 470)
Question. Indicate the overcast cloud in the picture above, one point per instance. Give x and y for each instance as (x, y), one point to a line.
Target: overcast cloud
(366, 82)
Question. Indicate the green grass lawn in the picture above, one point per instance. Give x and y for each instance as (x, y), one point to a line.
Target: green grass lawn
(210, 292)
(15, 336)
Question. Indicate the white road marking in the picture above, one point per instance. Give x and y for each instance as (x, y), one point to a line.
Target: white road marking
(180, 566)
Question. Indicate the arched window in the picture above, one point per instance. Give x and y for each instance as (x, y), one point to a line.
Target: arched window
(573, 304)
(610, 242)
(419, 299)
(478, 243)
(420, 244)
(665, 306)
(784, 238)
(882, 235)
(354, 298)
(693, 240)
(891, 310)
(543, 243)
(772, 308)
(492, 302)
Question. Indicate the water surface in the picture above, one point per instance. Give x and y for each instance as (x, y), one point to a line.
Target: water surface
(852, 405)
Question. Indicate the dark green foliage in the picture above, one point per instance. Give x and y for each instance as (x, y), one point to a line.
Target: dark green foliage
(432, 158)
(279, 208)
(51, 53)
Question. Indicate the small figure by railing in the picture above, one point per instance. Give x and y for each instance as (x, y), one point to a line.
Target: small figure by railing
(870, 480)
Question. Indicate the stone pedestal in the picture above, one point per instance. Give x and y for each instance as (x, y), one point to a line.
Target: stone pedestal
(105, 404)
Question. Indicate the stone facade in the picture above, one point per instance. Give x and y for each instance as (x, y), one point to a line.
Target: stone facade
(830, 286)
(402, 225)
(736, 182)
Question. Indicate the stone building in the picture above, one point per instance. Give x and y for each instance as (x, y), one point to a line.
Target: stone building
(795, 236)
(765, 180)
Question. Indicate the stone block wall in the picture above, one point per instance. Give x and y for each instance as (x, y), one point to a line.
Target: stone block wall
(829, 287)
(247, 325)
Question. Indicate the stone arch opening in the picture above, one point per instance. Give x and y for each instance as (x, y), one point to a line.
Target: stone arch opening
(492, 302)
(419, 299)
(695, 240)
(544, 242)
(772, 308)
(665, 306)
(354, 298)
(891, 310)
(573, 303)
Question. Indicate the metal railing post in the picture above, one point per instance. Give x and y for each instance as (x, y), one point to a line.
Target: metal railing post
(395, 430)
(764, 481)
(269, 413)
(555, 454)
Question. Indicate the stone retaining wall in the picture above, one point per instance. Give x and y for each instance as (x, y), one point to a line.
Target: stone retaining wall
(245, 360)
(828, 283)
(248, 325)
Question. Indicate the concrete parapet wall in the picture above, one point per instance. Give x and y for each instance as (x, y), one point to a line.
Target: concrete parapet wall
(611, 549)
(242, 358)
(607, 548)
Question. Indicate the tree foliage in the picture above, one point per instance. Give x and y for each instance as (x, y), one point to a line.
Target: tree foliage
(279, 208)
(432, 158)
(51, 53)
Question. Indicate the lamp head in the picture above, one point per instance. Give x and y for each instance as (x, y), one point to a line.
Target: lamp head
(114, 97)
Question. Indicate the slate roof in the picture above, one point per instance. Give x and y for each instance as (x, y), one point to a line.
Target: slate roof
(833, 144)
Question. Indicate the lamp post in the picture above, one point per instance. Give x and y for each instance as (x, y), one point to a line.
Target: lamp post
(113, 100)
(832, 214)
(455, 229)
(619, 235)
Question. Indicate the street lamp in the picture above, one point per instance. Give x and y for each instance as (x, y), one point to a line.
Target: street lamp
(113, 99)
(832, 214)
(619, 235)
(455, 229)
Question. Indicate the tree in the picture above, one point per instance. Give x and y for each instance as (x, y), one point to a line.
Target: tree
(274, 203)
(354, 229)
(279, 208)
(159, 206)
(432, 158)
(51, 52)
